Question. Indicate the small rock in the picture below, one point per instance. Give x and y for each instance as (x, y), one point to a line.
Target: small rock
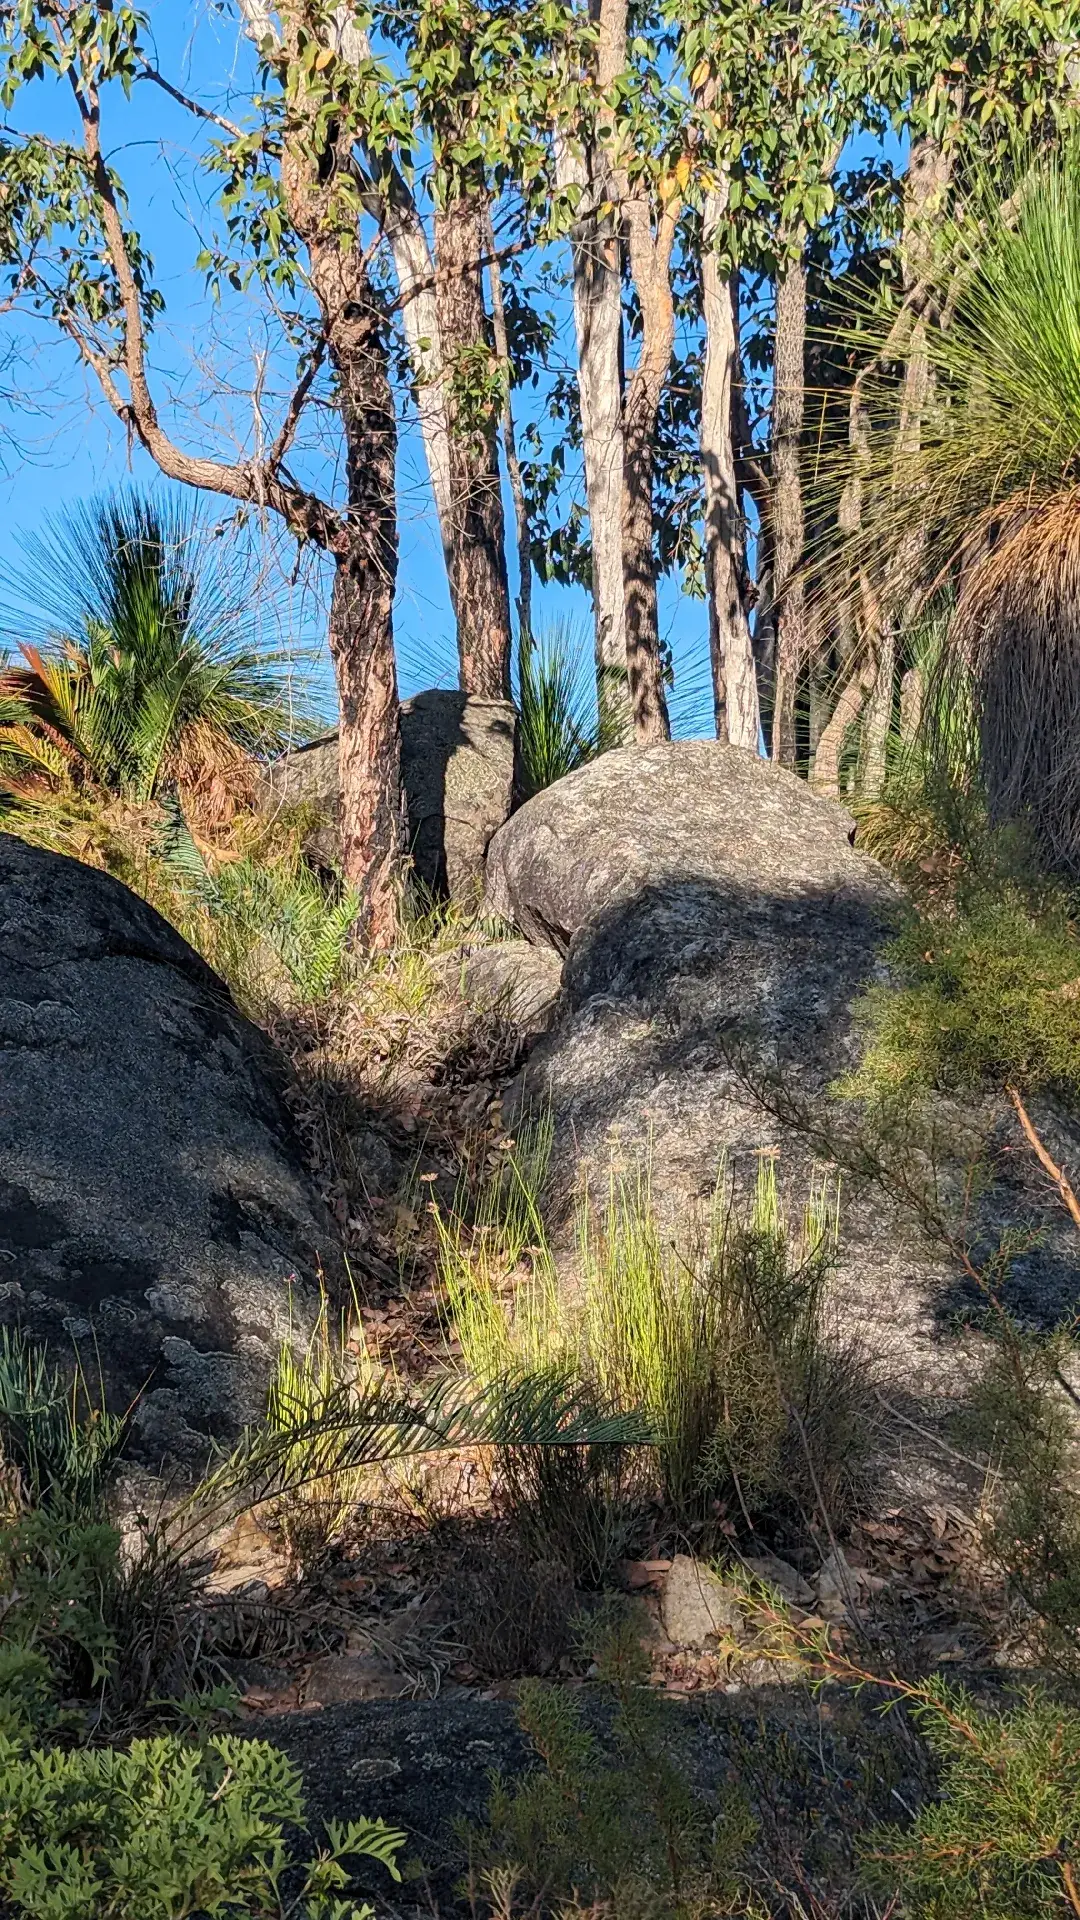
(696, 1606)
(248, 1559)
(339, 1678)
(780, 1574)
(837, 1587)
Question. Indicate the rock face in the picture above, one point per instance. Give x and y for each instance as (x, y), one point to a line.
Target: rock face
(457, 760)
(634, 823)
(710, 906)
(155, 1215)
(515, 979)
(697, 893)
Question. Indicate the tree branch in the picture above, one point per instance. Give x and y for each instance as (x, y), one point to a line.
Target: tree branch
(1047, 1163)
(193, 106)
(253, 481)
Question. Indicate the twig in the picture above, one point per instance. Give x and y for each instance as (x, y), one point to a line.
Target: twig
(1049, 1165)
(193, 106)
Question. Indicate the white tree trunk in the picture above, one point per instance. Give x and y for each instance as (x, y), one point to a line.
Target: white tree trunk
(415, 272)
(735, 691)
(594, 251)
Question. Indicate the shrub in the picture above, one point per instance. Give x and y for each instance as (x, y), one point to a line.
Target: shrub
(169, 1828)
(722, 1340)
(272, 926)
(1003, 1838)
(142, 663)
(987, 995)
(620, 1828)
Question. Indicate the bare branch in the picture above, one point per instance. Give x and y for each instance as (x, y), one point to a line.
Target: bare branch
(193, 106)
(296, 407)
(304, 513)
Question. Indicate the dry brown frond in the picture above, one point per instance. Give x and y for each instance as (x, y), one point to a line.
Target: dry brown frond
(1017, 632)
(216, 779)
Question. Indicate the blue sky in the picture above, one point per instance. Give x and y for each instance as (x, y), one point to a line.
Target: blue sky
(59, 444)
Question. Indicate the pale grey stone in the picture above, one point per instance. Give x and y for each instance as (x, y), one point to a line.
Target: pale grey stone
(696, 1606)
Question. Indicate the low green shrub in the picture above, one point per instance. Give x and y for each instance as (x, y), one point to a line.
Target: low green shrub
(170, 1829)
(618, 1827)
(1002, 1839)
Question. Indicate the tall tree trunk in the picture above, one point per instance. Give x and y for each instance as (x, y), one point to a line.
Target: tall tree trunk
(927, 183)
(735, 692)
(513, 465)
(596, 257)
(361, 634)
(478, 582)
(361, 631)
(414, 268)
(788, 511)
(650, 266)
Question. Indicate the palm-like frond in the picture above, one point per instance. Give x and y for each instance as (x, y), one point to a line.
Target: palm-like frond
(558, 724)
(984, 495)
(386, 1423)
(305, 921)
(136, 628)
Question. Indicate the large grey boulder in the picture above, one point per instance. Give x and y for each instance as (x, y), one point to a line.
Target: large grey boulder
(713, 911)
(699, 894)
(457, 765)
(155, 1215)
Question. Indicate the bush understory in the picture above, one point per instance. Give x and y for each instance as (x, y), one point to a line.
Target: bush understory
(400, 1452)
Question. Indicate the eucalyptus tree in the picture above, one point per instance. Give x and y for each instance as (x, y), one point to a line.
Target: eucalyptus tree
(779, 88)
(76, 258)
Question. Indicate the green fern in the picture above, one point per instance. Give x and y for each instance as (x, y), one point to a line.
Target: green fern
(170, 1828)
(252, 906)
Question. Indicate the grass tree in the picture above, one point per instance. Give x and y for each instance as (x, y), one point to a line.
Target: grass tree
(77, 258)
(138, 659)
(987, 495)
(963, 86)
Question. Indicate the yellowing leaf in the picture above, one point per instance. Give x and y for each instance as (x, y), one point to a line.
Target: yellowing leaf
(700, 75)
(323, 59)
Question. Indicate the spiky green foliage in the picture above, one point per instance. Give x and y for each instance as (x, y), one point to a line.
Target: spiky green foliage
(1002, 1841)
(722, 1339)
(61, 1445)
(321, 1494)
(169, 1828)
(984, 996)
(984, 490)
(255, 919)
(140, 655)
(621, 1828)
(559, 725)
(371, 1424)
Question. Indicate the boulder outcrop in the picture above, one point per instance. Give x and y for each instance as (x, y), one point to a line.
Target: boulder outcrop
(713, 911)
(156, 1218)
(457, 766)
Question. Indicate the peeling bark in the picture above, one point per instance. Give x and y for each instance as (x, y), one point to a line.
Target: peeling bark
(734, 674)
(478, 583)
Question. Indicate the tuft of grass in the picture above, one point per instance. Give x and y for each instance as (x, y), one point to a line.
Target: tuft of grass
(560, 727)
(721, 1339)
(323, 1489)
